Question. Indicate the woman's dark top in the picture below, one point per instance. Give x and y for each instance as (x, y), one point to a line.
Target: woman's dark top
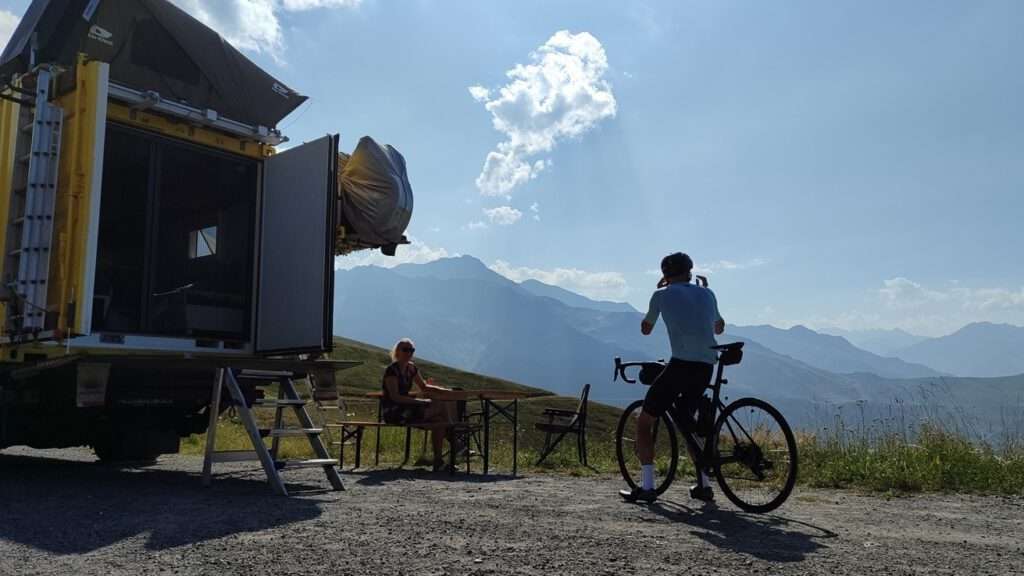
(392, 412)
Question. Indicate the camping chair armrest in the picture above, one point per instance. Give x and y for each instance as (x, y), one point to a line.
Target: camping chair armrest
(558, 412)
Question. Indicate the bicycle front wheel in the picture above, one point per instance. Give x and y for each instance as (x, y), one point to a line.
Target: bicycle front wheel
(756, 458)
(666, 449)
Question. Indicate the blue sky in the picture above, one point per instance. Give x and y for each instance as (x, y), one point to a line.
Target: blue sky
(855, 164)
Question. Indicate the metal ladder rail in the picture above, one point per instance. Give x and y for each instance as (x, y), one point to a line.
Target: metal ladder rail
(287, 396)
(315, 441)
(35, 180)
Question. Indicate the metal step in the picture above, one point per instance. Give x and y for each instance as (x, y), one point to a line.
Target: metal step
(276, 402)
(283, 432)
(274, 375)
(315, 462)
(235, 456)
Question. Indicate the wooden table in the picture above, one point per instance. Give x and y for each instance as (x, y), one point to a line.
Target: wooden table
(505, 403)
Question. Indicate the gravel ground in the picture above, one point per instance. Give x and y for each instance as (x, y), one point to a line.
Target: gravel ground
(62, 513)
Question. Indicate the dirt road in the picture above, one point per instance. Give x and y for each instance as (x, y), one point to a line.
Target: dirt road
(61, 513)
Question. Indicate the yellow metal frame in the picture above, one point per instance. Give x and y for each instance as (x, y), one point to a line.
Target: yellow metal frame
(9, 115)
(77, 177)
(179, 130)
(75, 181)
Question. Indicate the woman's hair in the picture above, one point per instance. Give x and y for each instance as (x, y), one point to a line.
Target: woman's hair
(394, 349)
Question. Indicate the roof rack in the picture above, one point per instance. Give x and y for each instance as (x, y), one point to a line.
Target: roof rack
(151, 100)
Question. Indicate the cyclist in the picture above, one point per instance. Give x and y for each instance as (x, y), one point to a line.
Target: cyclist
(692, 319)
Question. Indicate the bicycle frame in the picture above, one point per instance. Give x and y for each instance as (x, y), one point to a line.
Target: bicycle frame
(706, 458)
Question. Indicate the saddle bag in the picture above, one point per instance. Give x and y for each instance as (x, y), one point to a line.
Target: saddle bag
(649, 372)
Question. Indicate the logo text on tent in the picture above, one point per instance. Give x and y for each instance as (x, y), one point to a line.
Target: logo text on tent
(281, 90)
(101, 35)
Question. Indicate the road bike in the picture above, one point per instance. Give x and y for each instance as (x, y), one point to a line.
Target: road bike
(746, 446)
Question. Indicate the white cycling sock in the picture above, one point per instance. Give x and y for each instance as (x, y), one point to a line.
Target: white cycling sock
(647, 473)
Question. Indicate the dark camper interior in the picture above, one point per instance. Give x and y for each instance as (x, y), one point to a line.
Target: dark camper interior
(176, 240)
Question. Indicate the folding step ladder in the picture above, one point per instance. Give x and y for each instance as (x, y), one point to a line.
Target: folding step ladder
(287, 398)
(32, 203)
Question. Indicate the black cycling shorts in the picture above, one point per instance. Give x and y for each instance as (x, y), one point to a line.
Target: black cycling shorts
(680, 379)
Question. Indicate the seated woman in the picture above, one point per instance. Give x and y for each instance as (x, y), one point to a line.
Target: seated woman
(399, 407)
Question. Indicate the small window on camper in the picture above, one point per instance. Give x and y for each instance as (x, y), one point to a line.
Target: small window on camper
(202, 242)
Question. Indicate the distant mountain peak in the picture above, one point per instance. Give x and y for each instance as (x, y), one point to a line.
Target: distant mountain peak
(455, 267)
(570, 298)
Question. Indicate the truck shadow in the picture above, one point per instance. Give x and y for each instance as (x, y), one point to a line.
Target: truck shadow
(382, 476)
(72, 507)
(766, 536)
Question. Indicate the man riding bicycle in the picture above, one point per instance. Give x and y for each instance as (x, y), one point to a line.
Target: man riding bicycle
(692, 319)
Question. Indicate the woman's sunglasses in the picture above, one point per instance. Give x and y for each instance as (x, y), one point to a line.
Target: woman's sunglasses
(408, 349)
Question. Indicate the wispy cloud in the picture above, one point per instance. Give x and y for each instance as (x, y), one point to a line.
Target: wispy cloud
(597, 285)
(719, 266)
(503, 215)
(8, 22)
(562, 93)
(476, 225)
(254, 25)
(415, 252)
(928, 310)
(722, 265)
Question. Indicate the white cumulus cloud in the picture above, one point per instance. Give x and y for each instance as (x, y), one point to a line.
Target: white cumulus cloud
(596, 285)
(8, 22)
(253, 25)
(413, 253)
(503, 215)
(562, 93)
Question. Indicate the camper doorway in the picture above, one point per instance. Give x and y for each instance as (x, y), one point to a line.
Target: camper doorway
(176, 240)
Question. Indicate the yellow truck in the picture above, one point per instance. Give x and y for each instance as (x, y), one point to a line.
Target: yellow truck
(155, 226)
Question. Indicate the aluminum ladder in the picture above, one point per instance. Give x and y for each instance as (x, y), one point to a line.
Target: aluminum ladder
(288, 398)
(32, 203)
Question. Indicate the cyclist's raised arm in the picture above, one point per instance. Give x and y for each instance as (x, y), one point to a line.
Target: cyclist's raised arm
(653, 310)
(719, 321)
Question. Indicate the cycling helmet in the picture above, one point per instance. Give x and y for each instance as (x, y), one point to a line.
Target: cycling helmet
(677, 264)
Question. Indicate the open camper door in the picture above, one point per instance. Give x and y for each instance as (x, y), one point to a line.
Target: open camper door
(295, 271)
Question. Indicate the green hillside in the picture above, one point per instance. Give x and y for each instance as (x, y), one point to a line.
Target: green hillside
(355, 383)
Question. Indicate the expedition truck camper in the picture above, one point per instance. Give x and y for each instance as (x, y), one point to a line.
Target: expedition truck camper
(153, 236)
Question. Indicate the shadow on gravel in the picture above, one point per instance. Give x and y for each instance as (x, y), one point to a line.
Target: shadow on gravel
(765, 536)
(72, 507)
(381, 477)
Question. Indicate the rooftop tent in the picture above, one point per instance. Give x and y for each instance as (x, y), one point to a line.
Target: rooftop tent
(151, 45)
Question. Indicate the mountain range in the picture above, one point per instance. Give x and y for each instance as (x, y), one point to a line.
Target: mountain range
(463, 314)
(879, 341)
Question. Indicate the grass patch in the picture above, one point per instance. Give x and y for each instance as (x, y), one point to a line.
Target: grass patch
(926, 458)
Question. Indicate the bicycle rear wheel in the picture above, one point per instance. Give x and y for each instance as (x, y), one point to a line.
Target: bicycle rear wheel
(666, 449)
(756, 459)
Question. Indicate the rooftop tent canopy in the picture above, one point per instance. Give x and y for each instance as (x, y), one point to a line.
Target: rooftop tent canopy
(151, 45)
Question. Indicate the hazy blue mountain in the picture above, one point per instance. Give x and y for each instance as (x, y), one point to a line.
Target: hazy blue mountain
(472, 318)
(832, 353)
(979, 349)
(456, 268)
(881, 342)
(573, 299)
(462, 314)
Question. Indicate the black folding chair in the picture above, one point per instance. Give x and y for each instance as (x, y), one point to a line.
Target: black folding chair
(563, 422)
